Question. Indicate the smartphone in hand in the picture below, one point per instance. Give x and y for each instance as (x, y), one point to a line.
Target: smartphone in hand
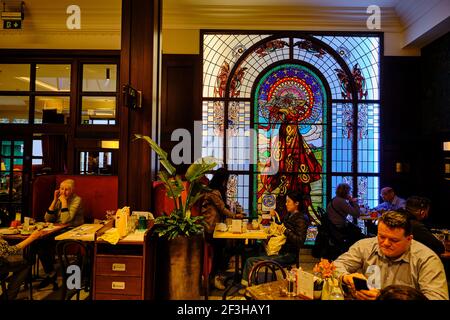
(360, 284)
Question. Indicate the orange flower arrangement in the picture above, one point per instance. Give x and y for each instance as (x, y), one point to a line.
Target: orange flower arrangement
(325, 269)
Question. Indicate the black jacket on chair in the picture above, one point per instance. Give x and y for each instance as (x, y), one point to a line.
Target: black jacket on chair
(422, 234)
(296, 227)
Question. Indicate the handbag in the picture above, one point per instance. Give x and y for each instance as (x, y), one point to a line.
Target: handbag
(277, 238)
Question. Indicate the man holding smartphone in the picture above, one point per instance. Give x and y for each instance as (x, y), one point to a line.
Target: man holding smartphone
(398, 258)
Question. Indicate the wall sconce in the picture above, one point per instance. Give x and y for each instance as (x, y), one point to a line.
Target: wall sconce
(401, 167)
(108, 73)
(447, 168)
(132, 98)
(110, 144)
(446, 145)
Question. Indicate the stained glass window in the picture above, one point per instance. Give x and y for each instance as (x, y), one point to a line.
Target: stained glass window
(293, 112)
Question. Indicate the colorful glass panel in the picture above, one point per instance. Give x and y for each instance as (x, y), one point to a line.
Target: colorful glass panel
(212, 129)
(341, 137)
(368, 138)
(219, 49)
(290, 101)
(239, 136)
(364, 51)
(248, 90)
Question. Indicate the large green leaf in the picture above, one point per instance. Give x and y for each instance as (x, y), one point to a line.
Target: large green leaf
(199, 168)
(160, 152)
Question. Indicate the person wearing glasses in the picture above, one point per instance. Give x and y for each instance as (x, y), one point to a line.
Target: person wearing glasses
(390, 201)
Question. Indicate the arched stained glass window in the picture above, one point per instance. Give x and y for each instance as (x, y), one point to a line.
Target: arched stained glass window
(288, 112)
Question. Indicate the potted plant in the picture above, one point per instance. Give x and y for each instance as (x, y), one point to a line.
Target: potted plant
(179, 234)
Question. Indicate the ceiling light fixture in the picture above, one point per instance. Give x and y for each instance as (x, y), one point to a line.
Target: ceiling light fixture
(39, 83)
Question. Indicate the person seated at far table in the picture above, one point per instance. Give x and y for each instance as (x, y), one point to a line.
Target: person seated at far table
(390, 201)
(418, 209)
(11, 260)
(394, 258)
(400, 292)
(294, 226)
(66, 208)
(338, 209)
(215, 210)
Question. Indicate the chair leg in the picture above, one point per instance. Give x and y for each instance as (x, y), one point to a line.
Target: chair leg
(4, 290)
(30, 284)
(206, 286)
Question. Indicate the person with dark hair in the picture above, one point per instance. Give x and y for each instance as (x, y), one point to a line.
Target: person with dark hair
(400, 292)
(338, 209)
(418, 210)
(392, 258)
(215, 210)
(294, 226)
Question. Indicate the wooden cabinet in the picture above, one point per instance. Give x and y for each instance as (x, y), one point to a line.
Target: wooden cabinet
(123, 271)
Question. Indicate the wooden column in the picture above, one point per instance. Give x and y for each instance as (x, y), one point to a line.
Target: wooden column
(140, 68)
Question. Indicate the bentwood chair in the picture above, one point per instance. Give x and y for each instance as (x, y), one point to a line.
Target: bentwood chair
(75, 254)
(265, 271)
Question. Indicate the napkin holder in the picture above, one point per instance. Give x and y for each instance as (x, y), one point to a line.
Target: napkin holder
(236, 226)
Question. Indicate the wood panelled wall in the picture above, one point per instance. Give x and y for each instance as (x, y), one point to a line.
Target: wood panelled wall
(180, 98)
(140, 68)
(415, 120)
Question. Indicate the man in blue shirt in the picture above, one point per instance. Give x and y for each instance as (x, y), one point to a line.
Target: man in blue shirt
(391, 201)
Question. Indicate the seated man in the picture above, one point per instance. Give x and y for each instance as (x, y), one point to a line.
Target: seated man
(395, 258)
(418, 209)
(66, 207)
(11, 260)
(391, 200)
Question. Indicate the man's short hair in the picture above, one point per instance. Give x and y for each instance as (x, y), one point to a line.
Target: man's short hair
(401, 292)
(386, 190)
(416, 203)
(396, 219)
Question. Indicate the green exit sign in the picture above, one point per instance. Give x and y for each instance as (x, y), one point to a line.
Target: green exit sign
(12, 24)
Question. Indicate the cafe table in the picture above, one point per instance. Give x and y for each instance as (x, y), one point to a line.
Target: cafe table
(245, 236)
(47, 231)
(85, 232)
(274, 290)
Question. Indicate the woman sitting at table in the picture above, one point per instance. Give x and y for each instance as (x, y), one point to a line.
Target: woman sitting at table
(338, 209)
(11, 260)
(294, 226)
(66, 208)
(215, 210)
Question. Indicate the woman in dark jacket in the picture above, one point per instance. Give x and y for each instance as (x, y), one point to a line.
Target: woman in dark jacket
(294, 226)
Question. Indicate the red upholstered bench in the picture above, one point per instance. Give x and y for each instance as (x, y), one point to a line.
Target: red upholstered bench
(98, 193)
